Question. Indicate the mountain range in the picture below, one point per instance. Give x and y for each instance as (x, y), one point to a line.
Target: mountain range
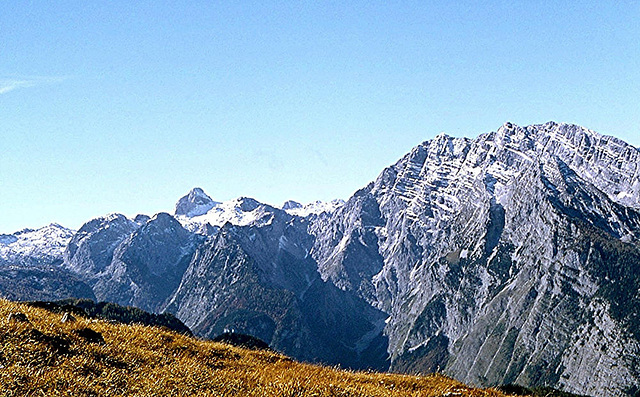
(513, 257)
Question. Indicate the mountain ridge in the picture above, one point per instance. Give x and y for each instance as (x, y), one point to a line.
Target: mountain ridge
(512, 257)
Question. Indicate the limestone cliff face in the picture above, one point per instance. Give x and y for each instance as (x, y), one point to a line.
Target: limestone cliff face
(91, 249)
(501, 259)
(259, 279)
(148, 265)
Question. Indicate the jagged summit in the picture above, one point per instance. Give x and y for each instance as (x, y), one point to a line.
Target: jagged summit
(194, 203)
(611, 164)
(290, 205)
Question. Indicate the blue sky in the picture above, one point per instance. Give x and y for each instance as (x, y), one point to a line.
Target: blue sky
(119, 106)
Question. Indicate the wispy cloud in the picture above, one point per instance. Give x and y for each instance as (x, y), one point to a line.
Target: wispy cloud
(11, 84)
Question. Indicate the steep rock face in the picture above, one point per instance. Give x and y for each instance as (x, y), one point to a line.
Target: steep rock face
(91, 249)
(610, 164)
(349, 245)
(131, 262)
(552, 293)
(147, 266)
(258, 279)
(472, 248)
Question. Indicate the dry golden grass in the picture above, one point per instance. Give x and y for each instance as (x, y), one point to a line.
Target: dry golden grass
(46, 358)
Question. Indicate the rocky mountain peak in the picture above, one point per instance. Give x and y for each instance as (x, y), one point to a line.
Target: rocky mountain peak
(163, 218)
(512, 135)
(103, 222)
(91, 248)
(247, 204)
(290, 204)
(194, 203)
(40, 246)
(446, 164)
(7, 239)
(141, 219)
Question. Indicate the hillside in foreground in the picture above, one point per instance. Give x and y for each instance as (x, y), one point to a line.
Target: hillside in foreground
(41, 355)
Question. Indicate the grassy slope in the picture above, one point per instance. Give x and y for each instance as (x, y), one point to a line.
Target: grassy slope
(47, 357)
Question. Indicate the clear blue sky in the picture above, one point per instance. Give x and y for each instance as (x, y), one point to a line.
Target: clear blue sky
(123, 106)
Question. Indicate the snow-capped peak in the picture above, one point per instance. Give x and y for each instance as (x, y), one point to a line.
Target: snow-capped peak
(197, 212)
(46, 243)
(241, 211)
(316, 207)
(194, 203)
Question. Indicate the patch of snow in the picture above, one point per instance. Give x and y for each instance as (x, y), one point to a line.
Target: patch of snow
(623, 195)
(317, 207)
(240, 212)
(282, 242)
(47, 242)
